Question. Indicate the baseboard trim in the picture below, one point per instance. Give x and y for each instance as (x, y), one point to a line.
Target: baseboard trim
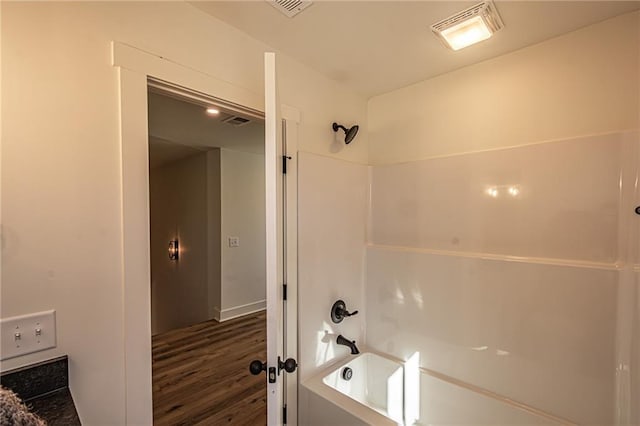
(222, 315)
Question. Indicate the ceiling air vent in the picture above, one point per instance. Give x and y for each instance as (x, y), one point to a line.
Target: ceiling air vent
(470, 26)
(290, 7)
(237, 121)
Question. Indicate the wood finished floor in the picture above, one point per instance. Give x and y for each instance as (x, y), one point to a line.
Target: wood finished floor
(201, 374)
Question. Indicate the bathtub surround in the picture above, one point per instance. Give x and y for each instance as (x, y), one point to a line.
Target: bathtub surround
(516, 295)
(503, 244)
(332, 208)
(552, 202)
(513, 328)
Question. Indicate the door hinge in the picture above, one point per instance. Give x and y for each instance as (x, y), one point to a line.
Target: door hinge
(284, 164)
(284, 414)
(284, 292)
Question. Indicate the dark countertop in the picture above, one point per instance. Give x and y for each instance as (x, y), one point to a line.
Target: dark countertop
(57, 408)
(44, 388)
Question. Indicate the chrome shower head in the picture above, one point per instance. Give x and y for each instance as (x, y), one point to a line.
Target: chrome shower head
(349, 134)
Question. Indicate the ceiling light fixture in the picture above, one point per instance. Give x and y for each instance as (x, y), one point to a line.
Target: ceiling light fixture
(468, 27)
(213, 111)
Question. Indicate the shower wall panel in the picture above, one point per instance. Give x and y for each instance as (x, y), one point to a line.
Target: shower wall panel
(553, 200)
(540, 334)
(504, 270)
(332, 215)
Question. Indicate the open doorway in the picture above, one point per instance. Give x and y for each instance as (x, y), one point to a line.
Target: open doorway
(207, 241)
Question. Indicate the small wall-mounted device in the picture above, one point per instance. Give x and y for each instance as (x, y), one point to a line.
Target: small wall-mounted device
(25, 334)
(174, 250)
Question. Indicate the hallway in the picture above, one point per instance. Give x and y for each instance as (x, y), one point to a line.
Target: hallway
(201, 373)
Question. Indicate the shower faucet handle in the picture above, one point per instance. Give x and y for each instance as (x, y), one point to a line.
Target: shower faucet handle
(339, 311)
(348, 314)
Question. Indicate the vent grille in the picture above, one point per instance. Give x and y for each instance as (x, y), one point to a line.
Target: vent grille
(290, 7)
(485, 9)
(236, 121)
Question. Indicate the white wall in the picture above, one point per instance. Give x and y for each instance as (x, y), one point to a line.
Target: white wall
(178, 211)
(332, 215)
(61, 176)
(243, 202)
(582, 83)
(519, 294)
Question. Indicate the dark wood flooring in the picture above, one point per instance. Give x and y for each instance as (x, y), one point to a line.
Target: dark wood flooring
(201, 373)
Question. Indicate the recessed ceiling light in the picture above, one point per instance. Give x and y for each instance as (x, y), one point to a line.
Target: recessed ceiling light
(213, 111)
(468, 27)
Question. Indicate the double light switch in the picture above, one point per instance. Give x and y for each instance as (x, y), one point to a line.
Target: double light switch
(25, 334)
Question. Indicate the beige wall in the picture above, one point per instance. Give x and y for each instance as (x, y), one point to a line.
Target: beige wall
(582, 83)
(243, 201)
(178, 210)
(214, 225)
(197, 200)
(61, 169)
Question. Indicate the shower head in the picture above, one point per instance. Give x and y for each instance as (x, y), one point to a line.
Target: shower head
(349, 134)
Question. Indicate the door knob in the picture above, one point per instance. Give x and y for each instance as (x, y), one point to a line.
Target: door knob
(289, 365)
(256, 367)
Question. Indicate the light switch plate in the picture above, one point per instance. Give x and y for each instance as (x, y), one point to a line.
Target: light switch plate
(27, 333)
(234, 242)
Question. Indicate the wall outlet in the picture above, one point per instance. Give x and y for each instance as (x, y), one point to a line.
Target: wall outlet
(234, 242)
(27, 333)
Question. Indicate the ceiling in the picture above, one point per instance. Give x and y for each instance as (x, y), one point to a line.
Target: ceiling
(378, 46)
(179, 129)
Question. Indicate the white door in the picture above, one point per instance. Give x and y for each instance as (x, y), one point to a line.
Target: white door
(276, 366)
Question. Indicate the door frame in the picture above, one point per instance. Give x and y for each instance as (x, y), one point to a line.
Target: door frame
(134, 67)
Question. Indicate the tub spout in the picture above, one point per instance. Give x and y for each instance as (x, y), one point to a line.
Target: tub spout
(351, 344)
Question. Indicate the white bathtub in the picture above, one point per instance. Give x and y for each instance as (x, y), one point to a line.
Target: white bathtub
(382, 392)
(376, 382)
(373, 395)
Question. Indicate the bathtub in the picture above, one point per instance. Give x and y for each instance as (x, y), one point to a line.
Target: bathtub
(372, 395)
(373, 381)
(386, 391)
